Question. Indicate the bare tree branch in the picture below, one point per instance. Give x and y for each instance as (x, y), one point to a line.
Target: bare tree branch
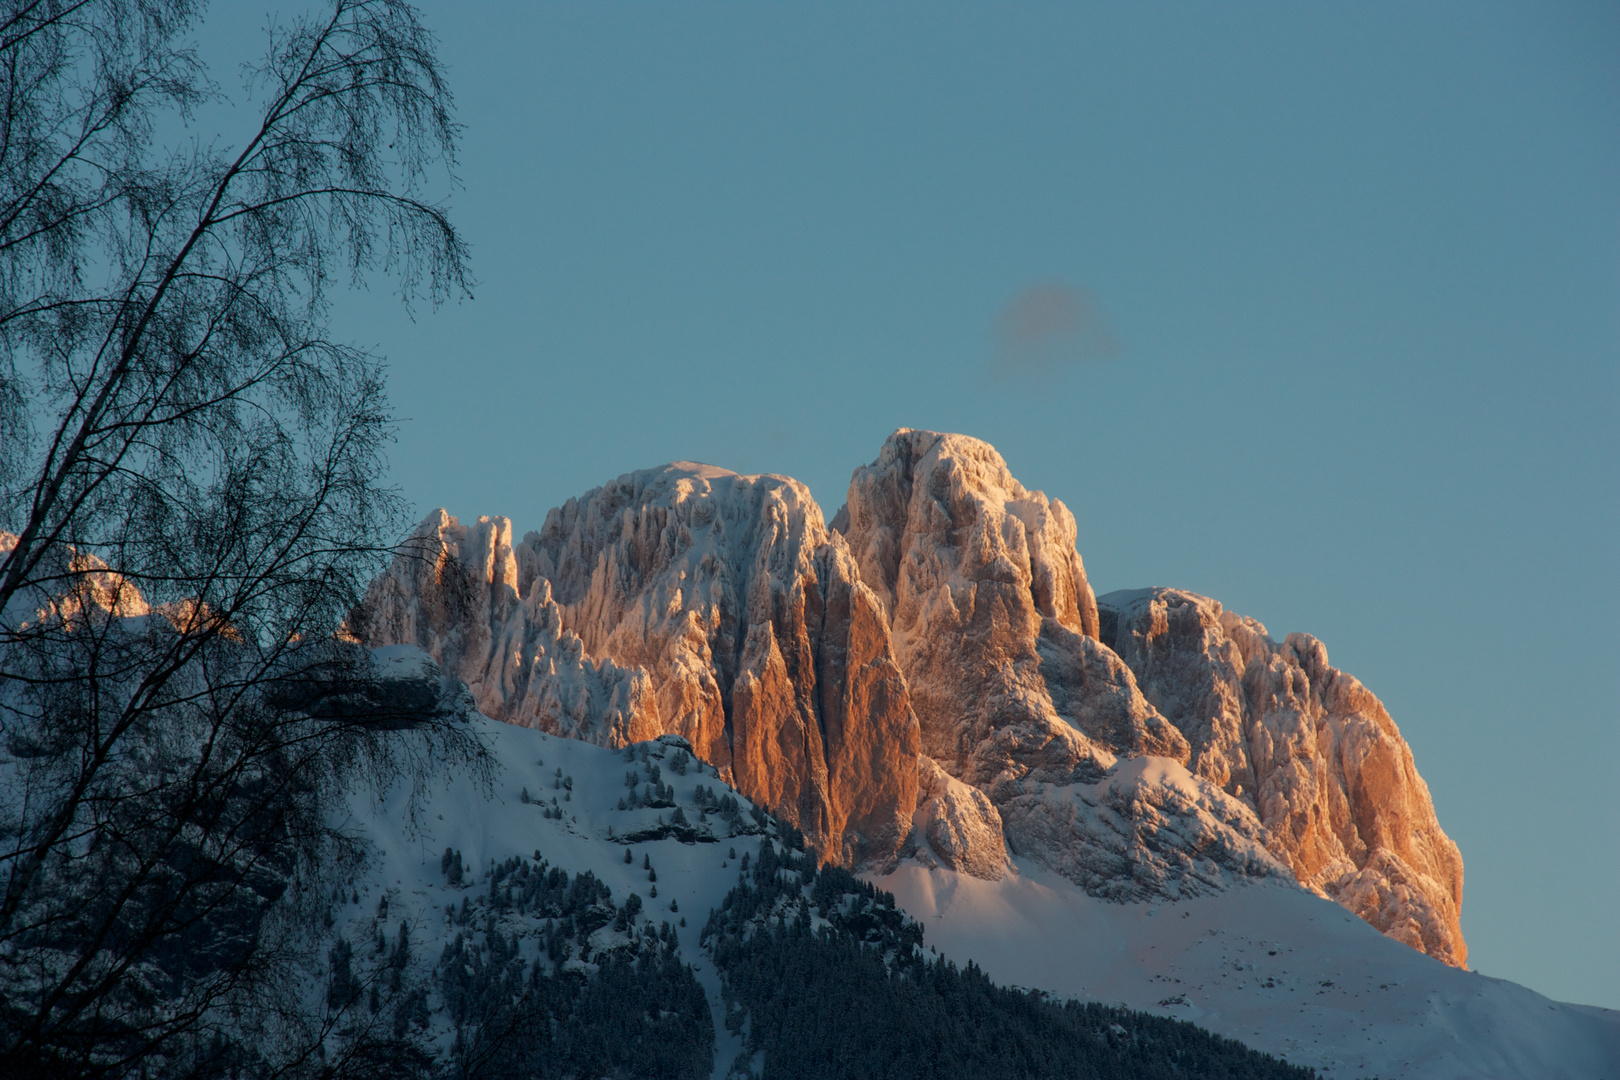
(190, 505)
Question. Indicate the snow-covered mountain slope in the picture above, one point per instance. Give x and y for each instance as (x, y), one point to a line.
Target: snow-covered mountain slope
(1253, 962)
(931, 679)
(573, 821)
(1265, 963)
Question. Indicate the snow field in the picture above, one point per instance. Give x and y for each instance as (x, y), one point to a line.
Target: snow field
(1269, 964)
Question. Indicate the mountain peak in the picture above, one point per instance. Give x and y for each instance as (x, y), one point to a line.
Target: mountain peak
(932, 680)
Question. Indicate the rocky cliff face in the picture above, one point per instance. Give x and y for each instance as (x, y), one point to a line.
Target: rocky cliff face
(933, 678)
(454, 592)
(1310, 749)
(995, 627)
(685, 600)
(992, 616)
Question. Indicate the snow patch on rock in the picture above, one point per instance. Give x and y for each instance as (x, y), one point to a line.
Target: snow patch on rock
(1147, 828)
(955, 825)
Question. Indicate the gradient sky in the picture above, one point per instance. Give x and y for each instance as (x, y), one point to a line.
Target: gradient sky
(1311, 308)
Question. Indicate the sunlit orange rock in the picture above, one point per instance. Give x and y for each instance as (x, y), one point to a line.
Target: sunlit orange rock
(995, 627)
(932, 678)
(685, 600)
(1310, 749)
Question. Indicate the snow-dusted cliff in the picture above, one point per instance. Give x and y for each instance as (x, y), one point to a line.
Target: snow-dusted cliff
(685, 600)
(932, 680)
(1310, 749)
(995, 627)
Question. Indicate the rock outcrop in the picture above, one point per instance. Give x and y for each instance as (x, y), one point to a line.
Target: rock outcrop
(454, 593)
(1310, 749)
(955, 824)
(932, 678)
(992, 616)
(685, 600)
(995, 627)
(1146, 828)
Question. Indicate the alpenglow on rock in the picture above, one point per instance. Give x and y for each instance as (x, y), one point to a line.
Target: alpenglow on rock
(1310, 749)
(932, 678)
(685, 600)
(995, 627)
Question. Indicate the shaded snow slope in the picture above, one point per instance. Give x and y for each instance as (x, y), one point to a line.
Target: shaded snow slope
(490, 826)
(1268, 964)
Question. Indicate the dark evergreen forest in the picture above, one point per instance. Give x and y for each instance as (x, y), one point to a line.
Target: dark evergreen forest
(631, 1009)
(828, 980)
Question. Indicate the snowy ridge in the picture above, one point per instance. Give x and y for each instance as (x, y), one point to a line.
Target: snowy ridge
(561, 798)
(1268, 964)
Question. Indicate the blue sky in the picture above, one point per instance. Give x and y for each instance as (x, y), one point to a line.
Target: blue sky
(1311, 308)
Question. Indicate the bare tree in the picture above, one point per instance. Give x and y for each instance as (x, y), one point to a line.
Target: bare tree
(191, 499)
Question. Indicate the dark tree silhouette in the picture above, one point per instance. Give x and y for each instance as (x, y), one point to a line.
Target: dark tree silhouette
(191, 496)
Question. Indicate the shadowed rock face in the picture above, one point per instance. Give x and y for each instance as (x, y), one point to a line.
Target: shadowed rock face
(932, 678)
(868, 726)
(1310, 749)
